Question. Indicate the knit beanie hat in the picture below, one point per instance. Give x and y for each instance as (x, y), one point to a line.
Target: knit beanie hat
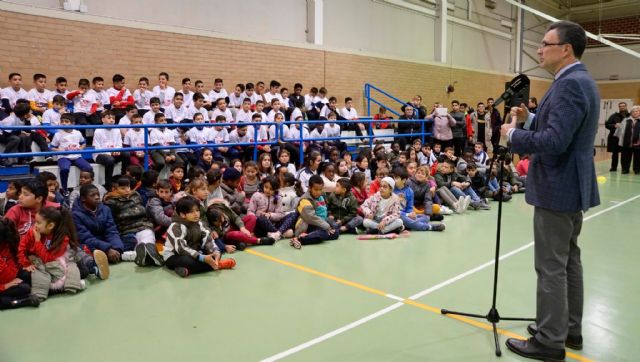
(231, 174)
(390, 181)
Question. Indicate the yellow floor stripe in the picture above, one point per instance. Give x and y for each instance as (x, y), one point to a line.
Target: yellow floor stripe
(410, 302)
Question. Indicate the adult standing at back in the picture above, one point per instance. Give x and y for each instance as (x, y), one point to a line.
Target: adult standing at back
(561, 185)
(612, 141)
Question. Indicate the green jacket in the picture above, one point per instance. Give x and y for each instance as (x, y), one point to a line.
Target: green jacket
(343, 208)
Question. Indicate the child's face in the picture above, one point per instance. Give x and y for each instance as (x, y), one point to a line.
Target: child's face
(40, 84)
(198, 103)
(62, 86)
(186, 86)
(207, 156)
(333, 156)
(347, 157)
(58, 106)
(98, 86)
(108, 119)
(192, 216)
(446, 168)
(237, 91)
(267, 189)
(16, 82)
(285, 94)
(266, 162)
(222, 105)
(131, 113)
(137, 121)
(426, 150)
(85, 178)
(118, 85)
(315, 163)
(421, 176)
(411, 169)
(52, 185)
(259, 107)
(275, 106)
(449, 153)
(27, 199)
(155, 107)
(260, 88)
(330, 172)
(233, 184)
(395, 147)
(343, 168)
(437, 148)
(92, 200)
(316, 190)
(143, 85)
(162, 80)
(200, 87)
(246, 106)
(161, 120)
(177, 174)
(417, 146)
(238, 166)
(66, 122)
(201, 193)
(284, 158)
(250, 173)
(340, 190)
(12, 192)
(472, 172)
(279, 118)
(217, 86)
(177, 101)
(402, 159)
(478, 148)
(385, 190)
(249, 92)
(381, 163)
(364, 163)
(43, 226)
(164, 194)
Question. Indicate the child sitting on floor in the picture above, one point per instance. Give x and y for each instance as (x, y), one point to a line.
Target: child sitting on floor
(266, 206)
(314, 225)
(343, 207)
(190, 248)
(382, 210)
(160, 209)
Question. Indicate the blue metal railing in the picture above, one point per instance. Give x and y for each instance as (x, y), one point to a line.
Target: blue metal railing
(367, 95)
(278, 132)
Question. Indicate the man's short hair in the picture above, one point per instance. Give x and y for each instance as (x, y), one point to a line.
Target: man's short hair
(571, 33)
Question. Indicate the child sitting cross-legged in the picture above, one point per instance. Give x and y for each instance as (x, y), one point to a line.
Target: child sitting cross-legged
(135, 228)
(410, 218)
(190, 246)
(160, 209)
(314, 225)
(382, 210)
(266, 206)
(343, 207)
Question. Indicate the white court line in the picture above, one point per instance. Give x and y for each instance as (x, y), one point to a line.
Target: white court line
(420, 294)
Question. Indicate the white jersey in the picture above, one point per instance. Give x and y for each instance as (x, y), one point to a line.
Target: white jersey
(112, 92)
(272, 115)
(134, 138)
(68, 141)
(242, 116)
(294, 133)
(165, 95)
(162, 138)
(268, 97)
(349, 113)
(42, 99)
(226, 113)
(199, 136)
(331, 130)
(149, 118)
(175, 114)
(283, 135)
(188, 98)
(193, 110)
(82, 103)
(142, 98)
(100, 97)
(13, 95)
(219, 136)
(104, 138)
(235, 100)
(214, 96)
(51, 117)
(247, 138)
(295, 114)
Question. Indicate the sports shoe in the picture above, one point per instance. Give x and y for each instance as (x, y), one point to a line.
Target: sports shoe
(141, 255)
(153, 254)
(460, 207)
(241, 246)
(475, 205)
(437, 227)
(266, 240)
(484, 206)
(102, 264)
(360, 231)
(226, 263)
(288, 234)
(275, 235)
(128, 256)
(183, 272)
(467, 201)
(445, 210)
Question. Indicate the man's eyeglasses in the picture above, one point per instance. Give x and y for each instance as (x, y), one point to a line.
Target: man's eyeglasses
(544, 44)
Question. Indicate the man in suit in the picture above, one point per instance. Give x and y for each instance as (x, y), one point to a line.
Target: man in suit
(561, 185)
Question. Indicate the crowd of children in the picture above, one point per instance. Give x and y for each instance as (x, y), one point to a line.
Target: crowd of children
(212, 199)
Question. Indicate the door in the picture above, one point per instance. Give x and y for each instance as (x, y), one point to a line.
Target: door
(607, 108)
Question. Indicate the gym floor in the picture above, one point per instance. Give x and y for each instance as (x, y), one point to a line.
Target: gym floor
(348, 300)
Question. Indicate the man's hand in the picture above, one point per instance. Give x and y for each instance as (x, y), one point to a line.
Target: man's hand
(504, 129)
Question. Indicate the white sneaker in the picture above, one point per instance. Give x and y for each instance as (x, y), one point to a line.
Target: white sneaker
(128, 255)
(275, 235)
(445, 210)
(467, 202)
(459, 207)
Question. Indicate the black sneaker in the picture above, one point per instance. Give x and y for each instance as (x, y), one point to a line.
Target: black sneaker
(437, 227)
(183, 272)
(241, 246)
(141, 255)
(153, 254)
(266, 240)
(360, 231)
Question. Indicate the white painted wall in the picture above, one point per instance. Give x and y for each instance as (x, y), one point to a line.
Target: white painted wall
(604, 62)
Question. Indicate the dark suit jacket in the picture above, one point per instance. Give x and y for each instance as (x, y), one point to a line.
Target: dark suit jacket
(562, 174)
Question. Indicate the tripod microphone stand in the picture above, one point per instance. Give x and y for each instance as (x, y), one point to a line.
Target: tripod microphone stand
(493, 316)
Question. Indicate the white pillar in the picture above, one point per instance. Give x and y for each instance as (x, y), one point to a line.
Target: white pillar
(440, 33)
(519, 40)
(315, 20)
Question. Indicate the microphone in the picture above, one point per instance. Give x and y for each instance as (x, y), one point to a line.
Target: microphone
(516, 85)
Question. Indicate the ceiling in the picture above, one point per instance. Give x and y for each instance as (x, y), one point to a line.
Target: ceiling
(587, 10)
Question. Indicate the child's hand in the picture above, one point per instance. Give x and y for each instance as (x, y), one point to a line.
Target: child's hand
(302, 235)
(381, 226)
(51, 196)
(113, 256)
(411, 215)
(30, 268)
(12, 283)
(36, 235)
(332, 231)
(245, 231)
(230, 249)
(331, 217)
(208, 259)
(214, 234)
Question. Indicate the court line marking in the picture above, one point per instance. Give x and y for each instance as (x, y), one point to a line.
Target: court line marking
(410, 300)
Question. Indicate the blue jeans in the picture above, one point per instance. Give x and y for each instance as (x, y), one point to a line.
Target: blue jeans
(420, 223)
(466, 192)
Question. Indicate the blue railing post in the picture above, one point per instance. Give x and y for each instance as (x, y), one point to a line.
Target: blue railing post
(371, 134)
(146, 146)
(255, 144)
(301, 148)
(367, 95)
(422, 121)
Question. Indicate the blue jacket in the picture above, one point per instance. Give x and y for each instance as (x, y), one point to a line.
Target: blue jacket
(405, 195)
(96, 230)
(562, 174)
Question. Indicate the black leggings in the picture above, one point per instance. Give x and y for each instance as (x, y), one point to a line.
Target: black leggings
(17, 292)
(192, 265)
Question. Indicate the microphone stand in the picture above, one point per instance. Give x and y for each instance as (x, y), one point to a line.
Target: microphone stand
(493, 316)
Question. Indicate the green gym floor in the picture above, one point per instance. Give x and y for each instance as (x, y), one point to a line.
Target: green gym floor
(348, 300)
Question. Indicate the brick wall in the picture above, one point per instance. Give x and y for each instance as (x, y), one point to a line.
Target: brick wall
(627, 25)
(82, 50)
